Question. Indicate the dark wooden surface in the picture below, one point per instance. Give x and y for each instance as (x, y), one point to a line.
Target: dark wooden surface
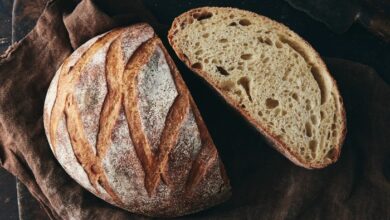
(356, 44)
(8, 200)
(5, 24)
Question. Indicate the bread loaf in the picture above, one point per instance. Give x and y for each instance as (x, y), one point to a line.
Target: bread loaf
(122, 123)
(270, 75)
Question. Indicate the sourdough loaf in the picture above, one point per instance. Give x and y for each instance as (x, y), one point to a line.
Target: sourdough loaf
(270, 75)
(122, 123)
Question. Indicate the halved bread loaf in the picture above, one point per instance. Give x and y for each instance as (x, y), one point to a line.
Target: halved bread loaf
(121, 121)
(274, 78)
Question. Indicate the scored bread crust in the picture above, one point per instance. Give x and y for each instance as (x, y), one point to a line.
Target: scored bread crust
(112, 137)
(276, 142)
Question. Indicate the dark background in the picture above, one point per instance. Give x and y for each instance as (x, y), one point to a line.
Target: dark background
(356, 44)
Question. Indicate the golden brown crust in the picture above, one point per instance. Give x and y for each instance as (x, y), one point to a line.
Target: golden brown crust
(208, 153)
(275, 141)
(83, 151)
(65, 103)
(69, 76)
(131, 53)
(156, 165)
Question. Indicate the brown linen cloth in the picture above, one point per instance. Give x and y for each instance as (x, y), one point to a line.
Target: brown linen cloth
(265, 184)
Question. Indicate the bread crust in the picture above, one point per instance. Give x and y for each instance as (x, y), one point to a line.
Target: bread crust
(109, 133)
(272, 139)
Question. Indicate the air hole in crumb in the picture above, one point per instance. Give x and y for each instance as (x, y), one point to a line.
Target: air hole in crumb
(286, 73)
(214, 61)
(313, 119)
(268, 41)
(308, 105)
(313, 147)
(231, 16)
(227, 85)
(321, 83)
(244, 22)
(277, 111)
(308, 129)
(266, 60)
(284, 112)
(283, 130)
(202, 15)
(322, 115)
(197, 44)
(198, 52)
(197, 66)
(295, 96)
(206, 60)
(233, 24)
(206, 35)
(222, 71)
(244, 82)
(247, 56)
(271, 103)
(260, 113)
(243, 106)
(260, 39)
(223, 40)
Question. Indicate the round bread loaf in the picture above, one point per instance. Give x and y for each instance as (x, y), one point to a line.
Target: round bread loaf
(122, 123)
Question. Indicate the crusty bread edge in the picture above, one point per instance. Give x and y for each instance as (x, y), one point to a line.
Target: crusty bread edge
(217, 199)
(277, 143)
(225, 192)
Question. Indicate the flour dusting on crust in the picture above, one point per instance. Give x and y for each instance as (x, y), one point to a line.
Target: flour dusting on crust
(157, 92)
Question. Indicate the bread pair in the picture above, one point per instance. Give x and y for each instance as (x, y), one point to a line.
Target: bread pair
(122, 123)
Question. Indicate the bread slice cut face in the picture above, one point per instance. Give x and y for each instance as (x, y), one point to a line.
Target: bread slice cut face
(269, 74)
